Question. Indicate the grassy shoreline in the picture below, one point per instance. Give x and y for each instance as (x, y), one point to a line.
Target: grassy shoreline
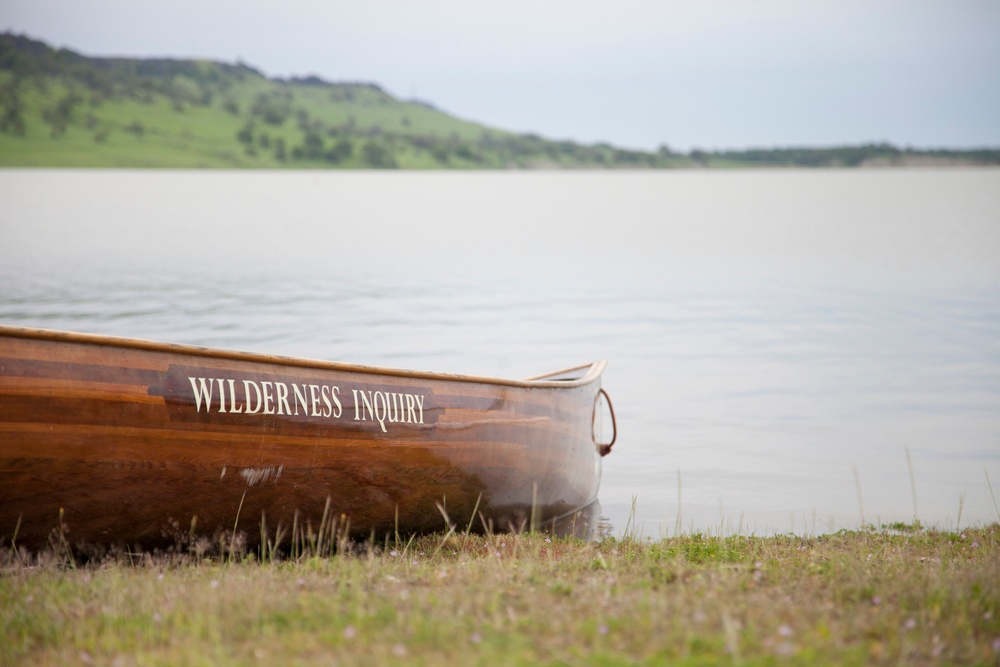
(872, 596)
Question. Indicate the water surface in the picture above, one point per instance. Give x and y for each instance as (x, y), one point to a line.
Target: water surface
(784, 347)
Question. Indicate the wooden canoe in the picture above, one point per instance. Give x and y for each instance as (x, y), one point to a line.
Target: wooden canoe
(134, 441)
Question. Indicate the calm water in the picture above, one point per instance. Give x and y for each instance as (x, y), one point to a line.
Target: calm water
(778, 342)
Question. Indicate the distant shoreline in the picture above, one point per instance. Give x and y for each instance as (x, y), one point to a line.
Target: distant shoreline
(61, 109)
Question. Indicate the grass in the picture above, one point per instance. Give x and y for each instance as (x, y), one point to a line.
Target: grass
(894, 595)
(153, 131)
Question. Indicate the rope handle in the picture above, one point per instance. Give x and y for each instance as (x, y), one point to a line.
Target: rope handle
(602, 448)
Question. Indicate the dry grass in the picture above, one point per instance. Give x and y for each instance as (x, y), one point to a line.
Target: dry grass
(901, 596)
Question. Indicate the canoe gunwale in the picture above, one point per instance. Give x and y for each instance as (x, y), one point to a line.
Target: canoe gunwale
(587, 373)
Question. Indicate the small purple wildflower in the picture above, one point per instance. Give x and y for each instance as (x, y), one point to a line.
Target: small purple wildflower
(877, 600)
(603, 629)
(785, 630)
(350, 632)
(910, 623)
(476, 638)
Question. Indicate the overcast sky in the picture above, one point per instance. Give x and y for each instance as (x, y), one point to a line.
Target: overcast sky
(635, 73)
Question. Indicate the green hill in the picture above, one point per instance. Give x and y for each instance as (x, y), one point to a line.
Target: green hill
(62, 109)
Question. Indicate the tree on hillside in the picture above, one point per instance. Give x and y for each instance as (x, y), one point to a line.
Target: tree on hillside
(378, 156)
(342, 150)
(312, 146)
(60, 114)
(245, 135)
(271, 108)
(12, 108)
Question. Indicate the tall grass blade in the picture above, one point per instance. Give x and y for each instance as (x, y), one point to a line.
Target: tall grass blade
(263, 536)
(323, 528)
(64, 547)
(535, 509)
(13, 540)
(861, 502)
(472, 518)
(995, 508)
(677, 524)
(232, 540)
(409, 543)
(913, 486)
(444, 514)
(631, 527)
(487, 525)
(279, 537)
(396, 527)
(450, 526)
(192, 547)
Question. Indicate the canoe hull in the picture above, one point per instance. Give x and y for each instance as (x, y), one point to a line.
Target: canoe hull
(137, 442)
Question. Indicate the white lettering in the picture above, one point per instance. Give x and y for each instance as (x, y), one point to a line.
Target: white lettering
(268, 398)
(325, 393)
(313, 394)
(232, 398)
(366, 400)
(282, 389)
(339, 410)
(392, 408)
(256, 390)
(380, 415)
(222, 395)
(300, 397)
(205, 392)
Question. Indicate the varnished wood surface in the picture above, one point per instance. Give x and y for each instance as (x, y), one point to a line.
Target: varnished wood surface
(124, 437)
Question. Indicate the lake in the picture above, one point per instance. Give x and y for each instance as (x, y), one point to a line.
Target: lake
(788, 351)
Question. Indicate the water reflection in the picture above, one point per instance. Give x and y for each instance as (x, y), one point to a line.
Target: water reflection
(586, 524)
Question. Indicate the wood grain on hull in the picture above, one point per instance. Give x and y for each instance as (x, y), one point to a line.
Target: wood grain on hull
(133, 439)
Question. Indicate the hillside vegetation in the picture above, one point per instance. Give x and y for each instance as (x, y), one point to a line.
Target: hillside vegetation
(62, 109)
